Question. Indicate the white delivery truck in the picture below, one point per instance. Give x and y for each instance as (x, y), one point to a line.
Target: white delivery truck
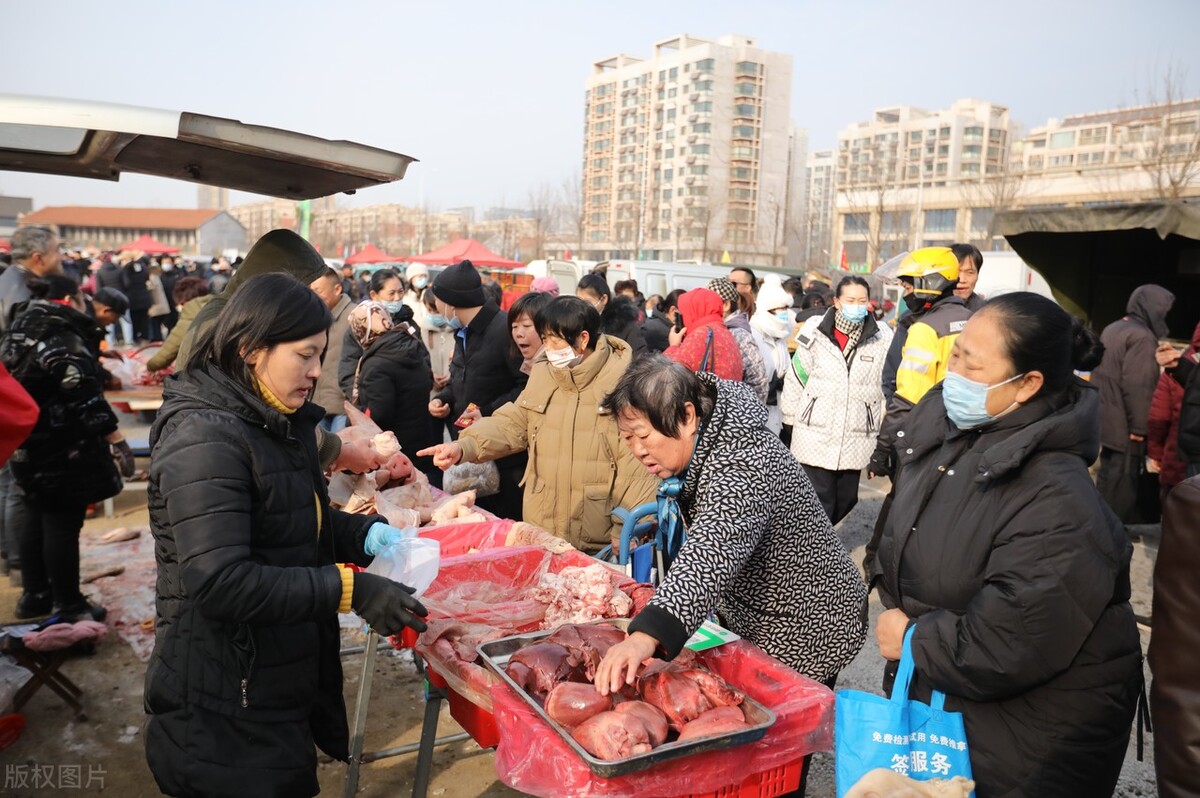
(653, 277)
(1005, 272)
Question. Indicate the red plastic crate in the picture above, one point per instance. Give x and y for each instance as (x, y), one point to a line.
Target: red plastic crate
(767, 784)
(475, 720)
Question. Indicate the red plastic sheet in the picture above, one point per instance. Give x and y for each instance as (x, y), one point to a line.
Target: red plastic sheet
(532, 758)
(459, 539)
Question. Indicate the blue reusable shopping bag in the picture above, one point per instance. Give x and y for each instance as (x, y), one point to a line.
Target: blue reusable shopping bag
(921, 741)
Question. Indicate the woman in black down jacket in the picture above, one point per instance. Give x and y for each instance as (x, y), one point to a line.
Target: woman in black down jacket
(245, 676)
(999, 549)
(393, 379)
(65, 463)
(618, 314)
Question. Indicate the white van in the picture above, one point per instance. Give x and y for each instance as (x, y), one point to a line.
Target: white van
(1005, 272)
(653, 277)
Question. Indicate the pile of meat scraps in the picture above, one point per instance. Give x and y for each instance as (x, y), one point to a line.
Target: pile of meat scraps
(580, 594)
(669, 701)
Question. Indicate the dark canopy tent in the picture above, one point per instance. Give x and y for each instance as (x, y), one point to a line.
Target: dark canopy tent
(1093, 257)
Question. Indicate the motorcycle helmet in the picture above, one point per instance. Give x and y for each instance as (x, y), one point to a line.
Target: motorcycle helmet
(933, 274)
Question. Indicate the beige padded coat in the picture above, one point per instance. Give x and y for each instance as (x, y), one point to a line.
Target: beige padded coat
(579, 469)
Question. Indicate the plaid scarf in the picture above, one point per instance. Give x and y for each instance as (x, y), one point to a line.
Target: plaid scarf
(851, 330)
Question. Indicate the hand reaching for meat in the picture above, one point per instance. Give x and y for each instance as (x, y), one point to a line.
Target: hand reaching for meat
(357, 457)
(620, 665)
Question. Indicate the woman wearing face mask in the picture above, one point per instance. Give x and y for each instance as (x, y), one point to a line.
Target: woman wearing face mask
(438, 339)
(704, 343)
(1014, 573)
(832, 399)
(656, 329)
(392, 381)
(417, 277)
(771, 324)
(578, 470)
(387, 289)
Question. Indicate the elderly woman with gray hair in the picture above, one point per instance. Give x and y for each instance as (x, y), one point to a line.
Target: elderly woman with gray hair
(759, 547)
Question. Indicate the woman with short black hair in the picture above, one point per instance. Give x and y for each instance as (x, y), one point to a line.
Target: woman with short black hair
(578, 472)
(1012, 572)
(245, 680)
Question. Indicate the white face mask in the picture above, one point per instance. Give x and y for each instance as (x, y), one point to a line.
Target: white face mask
(563, 358)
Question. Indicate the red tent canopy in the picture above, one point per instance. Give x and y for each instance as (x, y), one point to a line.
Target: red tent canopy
(466, 249)
(371, 254)
(150, 245)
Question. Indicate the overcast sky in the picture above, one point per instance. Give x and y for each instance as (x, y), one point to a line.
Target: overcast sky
(489, 95)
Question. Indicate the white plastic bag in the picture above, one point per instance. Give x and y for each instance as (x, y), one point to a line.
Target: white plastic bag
(412, 561)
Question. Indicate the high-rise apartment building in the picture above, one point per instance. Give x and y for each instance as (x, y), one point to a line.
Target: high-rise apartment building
(1145, 152)
(904, 176)
(686, 153)
(820, 187)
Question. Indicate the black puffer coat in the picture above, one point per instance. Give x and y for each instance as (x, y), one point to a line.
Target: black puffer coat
(1017, 575)
(620, 320)
(394, 380)
(134, 284)
(245, 674)
(488, 370)
(52, 350)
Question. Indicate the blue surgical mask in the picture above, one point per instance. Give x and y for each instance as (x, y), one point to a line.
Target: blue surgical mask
(419, 283)
(392, 307)
(439, 321)
(455, 323)
(784, 316)
(966, 400)
(855, 314)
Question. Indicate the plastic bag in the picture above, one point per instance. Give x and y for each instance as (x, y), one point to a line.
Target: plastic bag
(490, 588)
(12, 679)
(532, 758)
(412, 561)
(449, 648)
(396, 514)
(483, 478)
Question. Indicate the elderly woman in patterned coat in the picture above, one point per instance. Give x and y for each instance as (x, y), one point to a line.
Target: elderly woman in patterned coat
(759, 549)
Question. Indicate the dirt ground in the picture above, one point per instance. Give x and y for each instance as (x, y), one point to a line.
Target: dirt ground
(105, 753)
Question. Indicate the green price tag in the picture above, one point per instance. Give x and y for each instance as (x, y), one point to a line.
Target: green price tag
(710, 635)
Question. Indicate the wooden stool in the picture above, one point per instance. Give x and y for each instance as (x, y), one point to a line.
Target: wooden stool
(44, 665)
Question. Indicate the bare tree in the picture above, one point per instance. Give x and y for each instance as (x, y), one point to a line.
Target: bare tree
(995, 192)
(572, 209)
(541, 207)
(1171, 147)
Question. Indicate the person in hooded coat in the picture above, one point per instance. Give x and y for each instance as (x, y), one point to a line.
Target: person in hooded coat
(619, 316)
(1126, 378)
(771, 324)
(734, 306)
(245, 680)
(705, 343)
(1012, 573)
(393, 379)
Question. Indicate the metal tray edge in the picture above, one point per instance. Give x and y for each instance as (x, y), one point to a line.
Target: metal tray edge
(617, 767)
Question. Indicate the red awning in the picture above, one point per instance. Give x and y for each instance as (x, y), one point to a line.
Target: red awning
(466, 249)
(150, 245)
(371, 254)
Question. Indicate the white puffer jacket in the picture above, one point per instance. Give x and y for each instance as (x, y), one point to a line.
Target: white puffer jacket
(834, 407)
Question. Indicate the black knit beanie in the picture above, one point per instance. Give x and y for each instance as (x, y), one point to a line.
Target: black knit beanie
(459, 286)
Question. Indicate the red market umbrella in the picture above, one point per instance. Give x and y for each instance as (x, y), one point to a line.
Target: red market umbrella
(150, 245)
(371, 254)
(466, 249)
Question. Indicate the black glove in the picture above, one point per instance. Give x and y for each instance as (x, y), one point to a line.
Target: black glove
(124, 457)
(386, 605)
(785, 435)
(881, 463)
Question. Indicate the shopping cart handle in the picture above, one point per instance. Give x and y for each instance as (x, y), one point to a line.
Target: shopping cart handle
(630, 526)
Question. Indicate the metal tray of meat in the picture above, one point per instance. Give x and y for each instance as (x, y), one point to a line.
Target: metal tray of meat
(496, 653)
